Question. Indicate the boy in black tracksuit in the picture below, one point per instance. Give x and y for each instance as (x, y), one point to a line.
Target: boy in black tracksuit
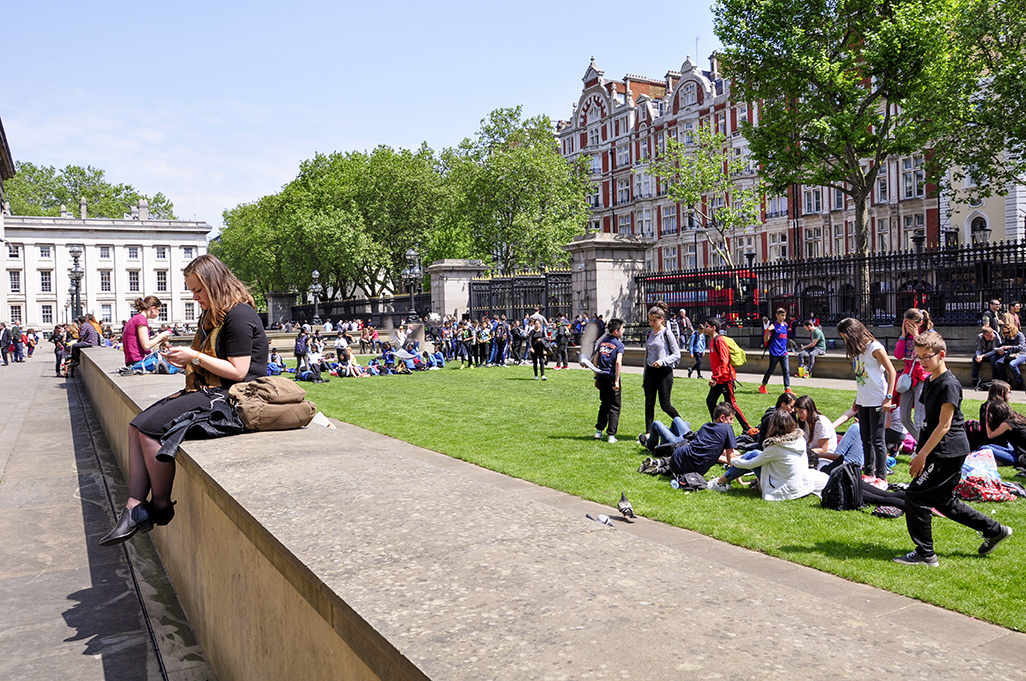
(937, 466)
(609, 358)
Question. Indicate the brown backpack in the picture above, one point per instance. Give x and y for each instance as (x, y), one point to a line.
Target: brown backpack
(272, 403)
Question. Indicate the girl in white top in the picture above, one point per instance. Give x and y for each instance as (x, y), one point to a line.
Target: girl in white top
(819, 431)
(874, 377)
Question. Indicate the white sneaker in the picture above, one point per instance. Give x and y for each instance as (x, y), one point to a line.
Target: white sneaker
(536, 378)
(612, 440)
(545, 378)
(598, 434)
(719, 488)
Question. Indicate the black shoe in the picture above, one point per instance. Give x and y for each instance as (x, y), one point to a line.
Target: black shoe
(916, 558)
(132, 520)
(162, 516)
(990, 543)
(643, 440)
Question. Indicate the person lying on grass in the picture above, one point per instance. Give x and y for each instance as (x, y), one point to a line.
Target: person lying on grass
(712, 442)
(782, 466)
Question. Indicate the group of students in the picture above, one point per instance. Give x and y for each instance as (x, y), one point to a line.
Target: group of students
(796, 447)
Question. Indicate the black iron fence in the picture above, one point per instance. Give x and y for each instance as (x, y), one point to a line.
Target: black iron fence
(953, 283)
(518, 294)
(375, 309)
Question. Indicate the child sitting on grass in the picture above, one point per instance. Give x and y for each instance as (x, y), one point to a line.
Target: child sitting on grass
(711, 442)
(937, 465)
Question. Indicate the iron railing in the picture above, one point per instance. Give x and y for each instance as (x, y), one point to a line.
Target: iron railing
(517, 295)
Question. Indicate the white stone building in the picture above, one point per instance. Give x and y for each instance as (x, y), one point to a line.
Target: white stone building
(123, 259)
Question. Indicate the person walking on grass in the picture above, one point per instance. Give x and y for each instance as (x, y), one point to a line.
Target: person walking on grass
(661, 355)
(538, 344)
(609, 358)
(723, 373)
(937, 465)
(874, 378)
(776, 337)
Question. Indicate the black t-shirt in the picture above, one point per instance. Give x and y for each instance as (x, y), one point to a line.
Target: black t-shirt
(936, 393)
(699, 455)
(242, 333)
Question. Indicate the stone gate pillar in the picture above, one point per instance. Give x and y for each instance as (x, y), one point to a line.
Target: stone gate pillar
(279, 306)
(450, 285)
(604, 267)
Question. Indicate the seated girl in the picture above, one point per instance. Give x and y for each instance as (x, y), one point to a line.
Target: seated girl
(820, 436)
(782, 467)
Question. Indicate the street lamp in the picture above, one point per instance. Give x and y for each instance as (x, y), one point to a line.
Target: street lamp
(315, 291)
(76, 274)
(695, 232)
(919, 238)
(412, 276)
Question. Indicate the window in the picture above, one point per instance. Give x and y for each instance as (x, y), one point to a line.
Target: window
(190, 312)
(660, 144)
(813, 201)
(643, 150)
(670, 221)
(593, 198)
(776, 206)
(968, 181)
(643, 185)
(716, 204)
(161, 252)
(625, 224)
(812, 238)
(596, 164)
(15, 277)
(133, 281)
(623, 191)
(106, 313)
(689, 133)
(45, 282)
(46, 314)
(623, 155)
(162, 315)
(187, 253)
(913, 223)
(105, 252)
(161, 281)
(44, 252)
(16, 314)
(133, 252)
(742, 112)
(838, 199)
(105, 281)
(644, 222)
(593, 137)
(721, 123)
(13, 250)
(913, 177)
(670, 258)
(689, 253)
(881, 184)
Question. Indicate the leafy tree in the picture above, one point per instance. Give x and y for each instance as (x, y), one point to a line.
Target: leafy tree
(694, 174)
(519, 200)
(841, 85)
(42, 190)
(987, 134)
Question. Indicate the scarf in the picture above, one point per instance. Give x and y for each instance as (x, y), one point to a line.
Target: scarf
(196, 377)
(784, 439)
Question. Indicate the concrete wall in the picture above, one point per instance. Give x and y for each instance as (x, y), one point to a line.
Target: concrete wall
(258, 611)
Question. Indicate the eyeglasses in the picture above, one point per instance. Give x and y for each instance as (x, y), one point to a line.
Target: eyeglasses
(925, 358)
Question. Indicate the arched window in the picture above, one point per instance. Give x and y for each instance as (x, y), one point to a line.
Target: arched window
(689, 97)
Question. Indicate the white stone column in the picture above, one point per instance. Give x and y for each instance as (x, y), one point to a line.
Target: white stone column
(450, 285)
(604, 267)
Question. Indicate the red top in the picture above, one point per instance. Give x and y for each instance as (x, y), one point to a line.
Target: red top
(130, 338)
(719, 359)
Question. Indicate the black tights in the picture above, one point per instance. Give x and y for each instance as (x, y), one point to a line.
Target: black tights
(657, 381)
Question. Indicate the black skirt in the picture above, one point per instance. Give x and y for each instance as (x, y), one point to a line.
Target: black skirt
(157, 418)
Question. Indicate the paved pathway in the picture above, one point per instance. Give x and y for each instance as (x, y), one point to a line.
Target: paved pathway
(69, 608)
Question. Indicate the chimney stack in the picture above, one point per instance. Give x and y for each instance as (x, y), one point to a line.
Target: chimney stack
(82, 208)
(144, 209)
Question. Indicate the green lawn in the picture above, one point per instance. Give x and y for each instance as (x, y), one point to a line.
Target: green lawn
(544, 432)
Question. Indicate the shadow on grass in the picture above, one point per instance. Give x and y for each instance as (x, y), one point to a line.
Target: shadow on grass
(843, 550)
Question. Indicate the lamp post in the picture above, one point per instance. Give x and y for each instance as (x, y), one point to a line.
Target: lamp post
(695, 232)
(918, 238)
(76, 274)
(412, 276)
(315, 291)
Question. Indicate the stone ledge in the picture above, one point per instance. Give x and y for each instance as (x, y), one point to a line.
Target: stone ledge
(309, 554)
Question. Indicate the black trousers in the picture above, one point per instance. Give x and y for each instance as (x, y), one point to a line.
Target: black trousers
(726, 390)
(874, 444)
(935, 488)
(657, 382)
(609, 407)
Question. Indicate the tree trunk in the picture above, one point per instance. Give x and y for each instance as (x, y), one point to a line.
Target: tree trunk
(863, 305)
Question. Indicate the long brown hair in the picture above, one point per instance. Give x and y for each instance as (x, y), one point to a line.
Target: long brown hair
(856, 336)
(223, 288)
(781, 423)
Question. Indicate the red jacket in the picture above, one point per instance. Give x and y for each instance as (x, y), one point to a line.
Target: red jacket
(719, 359)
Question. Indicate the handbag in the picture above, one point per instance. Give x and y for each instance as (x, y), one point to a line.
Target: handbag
(904, 383)
(272, 403)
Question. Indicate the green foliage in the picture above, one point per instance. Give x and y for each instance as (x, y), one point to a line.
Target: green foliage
(694, 173)
(517, 198)
(503, 420)
(840, 85)
(987, 134)
(42, 190)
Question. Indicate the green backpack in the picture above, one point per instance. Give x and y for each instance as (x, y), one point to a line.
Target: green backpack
(738, 357)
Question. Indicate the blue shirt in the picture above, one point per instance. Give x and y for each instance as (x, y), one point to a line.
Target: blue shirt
(699, 455)
(608, 349)
(778, 341)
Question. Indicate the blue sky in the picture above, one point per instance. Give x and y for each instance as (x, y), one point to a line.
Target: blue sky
(217, 103)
